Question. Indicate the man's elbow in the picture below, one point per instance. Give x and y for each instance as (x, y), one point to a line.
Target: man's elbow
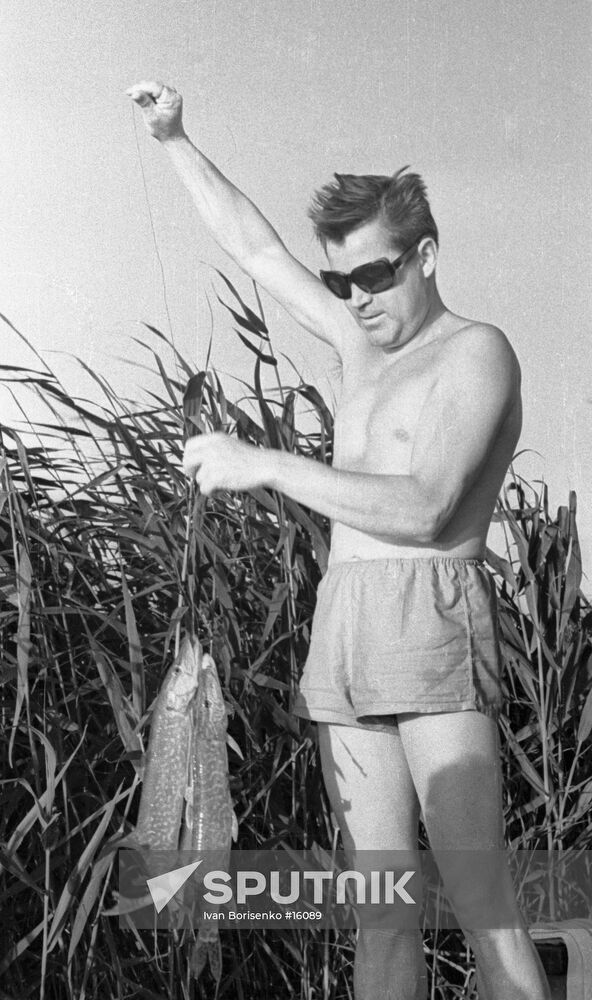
(430, 521)
(426, 532)
(262, 254)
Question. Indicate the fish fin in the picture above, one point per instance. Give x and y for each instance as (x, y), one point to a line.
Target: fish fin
(207, 948)
(185, 838)
(129, 842)
(134, 841)
(234, 826)
(215, 957)
(197, 962)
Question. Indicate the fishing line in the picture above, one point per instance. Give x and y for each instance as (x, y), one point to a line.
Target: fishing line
(154, 238)
(189, 493)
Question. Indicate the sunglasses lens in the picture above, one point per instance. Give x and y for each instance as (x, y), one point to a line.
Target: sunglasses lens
(337, 283)
(372, 278)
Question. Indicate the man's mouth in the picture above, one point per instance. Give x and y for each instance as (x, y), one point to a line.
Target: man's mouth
(370, 319)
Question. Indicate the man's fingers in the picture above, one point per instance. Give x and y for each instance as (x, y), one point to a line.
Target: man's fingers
(207, 483)
(150, 92)
(190, 466)
(199, 450)
(141, 99)
(146, 92)
(192, 457)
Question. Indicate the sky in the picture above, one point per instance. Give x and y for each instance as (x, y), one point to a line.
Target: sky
(488, 101)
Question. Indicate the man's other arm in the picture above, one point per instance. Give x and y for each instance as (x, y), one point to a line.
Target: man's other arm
(237, 225)
(458, 427)
(477, 389)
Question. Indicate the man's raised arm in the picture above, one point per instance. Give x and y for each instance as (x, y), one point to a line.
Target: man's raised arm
(236, 223)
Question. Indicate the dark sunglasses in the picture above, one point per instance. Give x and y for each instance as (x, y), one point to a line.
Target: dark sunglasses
(376, 276)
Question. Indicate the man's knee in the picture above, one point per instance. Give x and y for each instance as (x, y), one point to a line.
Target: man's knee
(390, 889)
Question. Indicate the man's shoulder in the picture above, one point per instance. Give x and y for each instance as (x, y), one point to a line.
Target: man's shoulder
(482, 349)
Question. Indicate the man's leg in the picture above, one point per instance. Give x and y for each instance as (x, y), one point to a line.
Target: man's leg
(455, 764)
(373, 798)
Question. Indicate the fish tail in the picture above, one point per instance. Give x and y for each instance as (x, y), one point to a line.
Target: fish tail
(207, 948)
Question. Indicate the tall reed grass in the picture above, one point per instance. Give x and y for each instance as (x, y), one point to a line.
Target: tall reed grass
(98, 571)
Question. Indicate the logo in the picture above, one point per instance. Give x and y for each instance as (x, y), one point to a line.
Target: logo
(289, 888)
(163, 887)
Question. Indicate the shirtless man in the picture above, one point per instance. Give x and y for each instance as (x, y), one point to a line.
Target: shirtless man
(403, 671)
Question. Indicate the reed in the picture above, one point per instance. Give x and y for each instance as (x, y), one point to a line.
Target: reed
(98, 571)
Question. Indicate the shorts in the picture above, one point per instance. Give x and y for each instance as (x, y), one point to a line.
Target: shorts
(402, 635)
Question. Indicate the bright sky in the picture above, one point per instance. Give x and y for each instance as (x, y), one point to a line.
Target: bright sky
(489, 101)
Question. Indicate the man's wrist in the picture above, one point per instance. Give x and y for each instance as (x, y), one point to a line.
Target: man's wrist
(174, 139)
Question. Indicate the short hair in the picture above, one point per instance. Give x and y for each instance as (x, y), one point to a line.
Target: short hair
(351, 200)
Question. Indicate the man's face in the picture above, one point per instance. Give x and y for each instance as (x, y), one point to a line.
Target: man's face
(390, 319)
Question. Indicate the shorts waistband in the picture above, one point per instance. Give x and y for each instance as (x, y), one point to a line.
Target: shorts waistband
(408, 560)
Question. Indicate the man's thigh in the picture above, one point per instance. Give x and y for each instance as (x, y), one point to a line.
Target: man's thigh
(370, 787)
(454, 762)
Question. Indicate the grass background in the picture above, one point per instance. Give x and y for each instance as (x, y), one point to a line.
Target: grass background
(99, 573)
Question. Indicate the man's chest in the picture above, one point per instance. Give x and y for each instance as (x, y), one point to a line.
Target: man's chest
(378, 416)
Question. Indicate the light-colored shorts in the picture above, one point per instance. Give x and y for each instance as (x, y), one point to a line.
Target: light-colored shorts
(402, 635)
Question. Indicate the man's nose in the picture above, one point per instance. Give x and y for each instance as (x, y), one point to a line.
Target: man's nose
(359, 298)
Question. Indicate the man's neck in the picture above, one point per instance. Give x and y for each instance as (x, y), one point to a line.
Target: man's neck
(430, 328)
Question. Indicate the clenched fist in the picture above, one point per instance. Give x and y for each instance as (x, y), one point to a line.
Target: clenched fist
(162, 108)
(219, 462)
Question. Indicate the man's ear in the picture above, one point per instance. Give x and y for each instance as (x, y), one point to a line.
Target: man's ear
(428, 254)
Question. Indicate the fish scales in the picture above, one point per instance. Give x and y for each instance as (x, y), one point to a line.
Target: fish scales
(213, 823)
(167, 760)
(212, 803)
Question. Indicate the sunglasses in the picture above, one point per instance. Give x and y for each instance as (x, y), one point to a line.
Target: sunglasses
(376, 276)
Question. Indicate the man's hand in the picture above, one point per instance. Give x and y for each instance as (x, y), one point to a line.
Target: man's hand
(219, 462)
(162, 108)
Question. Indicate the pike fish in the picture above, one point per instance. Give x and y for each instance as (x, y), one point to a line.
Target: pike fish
(210, 820)
(185, 801)
(167, 760)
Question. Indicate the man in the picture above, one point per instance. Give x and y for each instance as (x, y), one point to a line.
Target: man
(403, 671)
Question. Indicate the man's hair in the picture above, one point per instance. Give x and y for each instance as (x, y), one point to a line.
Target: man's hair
(399, 202)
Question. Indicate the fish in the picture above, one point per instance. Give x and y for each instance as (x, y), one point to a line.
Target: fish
(185, 803)
(166, 769)
(211, 824)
